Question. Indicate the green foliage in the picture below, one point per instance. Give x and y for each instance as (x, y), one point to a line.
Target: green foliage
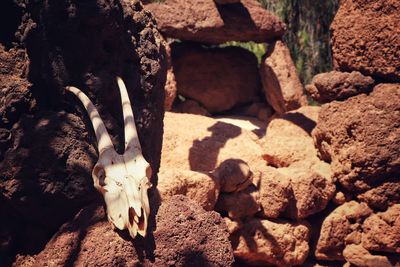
(307, 36)
(258, 49)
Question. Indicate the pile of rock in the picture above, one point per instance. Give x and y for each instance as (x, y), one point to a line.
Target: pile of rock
(316, 184)
(215, 79)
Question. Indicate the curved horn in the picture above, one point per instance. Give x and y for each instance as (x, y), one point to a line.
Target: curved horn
(132, 143)
(103, 138)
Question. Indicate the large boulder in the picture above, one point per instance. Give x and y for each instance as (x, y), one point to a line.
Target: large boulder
(186, 234)
(366, 38)
(218, 78)
(336, 85)
(281, 84)
(200, 143)
(278, 243)
(206, 22)
(361, 136)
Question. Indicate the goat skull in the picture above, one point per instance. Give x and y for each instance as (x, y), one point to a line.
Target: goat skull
(123, 180)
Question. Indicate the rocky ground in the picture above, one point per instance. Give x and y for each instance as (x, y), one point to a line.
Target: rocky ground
(246, 173)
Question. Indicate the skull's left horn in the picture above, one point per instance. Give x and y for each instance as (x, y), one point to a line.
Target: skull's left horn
(103, 138)
(132, 144)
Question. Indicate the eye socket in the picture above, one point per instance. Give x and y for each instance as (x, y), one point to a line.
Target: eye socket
(99, 174)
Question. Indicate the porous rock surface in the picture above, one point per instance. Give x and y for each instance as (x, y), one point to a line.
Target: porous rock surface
(366, 38)
(205, 22)
(357, 255)
(279, 243)
(281, 84)
(343, 225)
(336, 85)
(47, 144)
(381, 231)
(185, 235)
(218, 78)
(382, 196)
(361, 136)
(200, 187)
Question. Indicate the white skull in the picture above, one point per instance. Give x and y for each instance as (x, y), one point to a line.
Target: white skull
(123, 180)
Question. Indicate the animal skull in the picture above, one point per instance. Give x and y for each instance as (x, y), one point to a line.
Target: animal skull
(123, 180)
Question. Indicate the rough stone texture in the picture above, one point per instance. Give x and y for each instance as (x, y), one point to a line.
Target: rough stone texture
(311, 190)
(86, 46)
(361, 136)
(185, 234)
(297, 191)
(200, 187)
(170, 83)
(341, 226)
(48, 146)
(239, 204)
(275, 192)
(15, 96)
(205, 22)
(381, 231)
(199, 143)
(359, 256)
(288, 137)
(218, 78)
(281, 84)
(234, 175)
(366, 38)
(336, 85)
(382, 196)
(278, 243)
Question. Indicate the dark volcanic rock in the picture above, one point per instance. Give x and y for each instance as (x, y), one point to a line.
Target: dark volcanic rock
(218, 78)
(186, 235)
(361, 136)
(48, 147)
(366, 38)
(336, 85)
(205, 22)
(15, 96)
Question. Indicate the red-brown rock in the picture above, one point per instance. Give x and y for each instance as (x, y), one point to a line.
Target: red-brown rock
(281, 84)
(279, 243)
(357, 255)
(200, 187)
(381, 231)
(361, 136)
(336, 85)
(288, 137)
(366, 38)
(239, 205)
(342, 224)
(382, 196)
(218, 78)
(205, 22)
(200, 143)
(185, 234)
